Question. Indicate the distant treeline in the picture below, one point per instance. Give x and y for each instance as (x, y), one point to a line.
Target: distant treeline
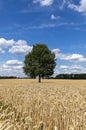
(8, 77)
(60, 76)
(71, 76)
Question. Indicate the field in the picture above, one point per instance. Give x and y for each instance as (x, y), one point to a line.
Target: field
(50, 105)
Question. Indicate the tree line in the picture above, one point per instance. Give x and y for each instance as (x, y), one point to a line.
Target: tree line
(60, 76)
(8, 77)
(71, 76)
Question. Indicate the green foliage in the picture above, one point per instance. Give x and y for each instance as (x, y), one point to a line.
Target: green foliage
(71, 76)
(39, 62)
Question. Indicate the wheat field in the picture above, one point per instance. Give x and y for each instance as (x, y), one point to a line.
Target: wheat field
(51, 105)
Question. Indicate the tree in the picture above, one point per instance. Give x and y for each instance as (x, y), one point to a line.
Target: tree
(39, 62)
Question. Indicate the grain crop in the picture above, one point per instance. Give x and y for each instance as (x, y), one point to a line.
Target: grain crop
(51, 105)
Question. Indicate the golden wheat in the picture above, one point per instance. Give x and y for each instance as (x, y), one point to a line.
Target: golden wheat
(50, 105)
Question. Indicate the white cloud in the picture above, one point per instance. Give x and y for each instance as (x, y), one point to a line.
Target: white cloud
(69, 57)
(71, 69)
(63, 67)
(12, 68)
(15, 71)
(14, 62)
(20, 48)
(56, 51)
(44, 2)
(80, 8)
(21, 42)
(5, 43)
(53, 17)
(74, 57)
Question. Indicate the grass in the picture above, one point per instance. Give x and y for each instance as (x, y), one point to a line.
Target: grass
(52, 105)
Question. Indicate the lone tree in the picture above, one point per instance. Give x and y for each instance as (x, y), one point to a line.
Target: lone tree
(39, 62)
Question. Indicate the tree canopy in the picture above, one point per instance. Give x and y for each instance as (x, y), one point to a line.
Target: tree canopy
(39, 62)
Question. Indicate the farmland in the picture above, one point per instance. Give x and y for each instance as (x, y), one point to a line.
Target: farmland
(51, 105)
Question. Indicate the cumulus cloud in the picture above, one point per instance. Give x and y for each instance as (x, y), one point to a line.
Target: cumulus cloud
(56, 51)
(21, 42)
(80, 8)
(72, 69)
(44, 2)
(69, 57)
(6, 43)
(20, 48)
(69, 69)
(12, 68)
(74, 58)
(13, 62)
(18, 72)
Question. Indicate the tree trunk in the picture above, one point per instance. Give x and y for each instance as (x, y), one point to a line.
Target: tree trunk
(39, 79)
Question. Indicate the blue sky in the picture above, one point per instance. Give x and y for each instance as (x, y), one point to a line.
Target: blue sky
(61, 24)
